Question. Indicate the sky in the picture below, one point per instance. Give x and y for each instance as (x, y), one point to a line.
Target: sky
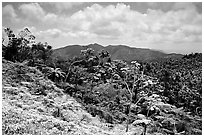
(169, 27)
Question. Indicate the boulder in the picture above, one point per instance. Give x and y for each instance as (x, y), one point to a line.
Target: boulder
(141, 122)
(141, 116)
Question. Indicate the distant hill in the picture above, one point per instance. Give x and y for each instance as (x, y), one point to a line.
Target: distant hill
(120, 52)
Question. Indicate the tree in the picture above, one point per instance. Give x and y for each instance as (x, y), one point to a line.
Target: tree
(167, 81)
(41, 54)
(103, 55)
(88, 60)
(18, 48)
(56, 74)
(131, 72)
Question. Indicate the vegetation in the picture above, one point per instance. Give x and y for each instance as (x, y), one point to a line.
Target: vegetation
(163, 96)
(18, 45)
(181, 80)
(56, 74)
(22, 47)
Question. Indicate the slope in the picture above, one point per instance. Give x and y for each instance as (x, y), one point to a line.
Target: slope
(32, 104)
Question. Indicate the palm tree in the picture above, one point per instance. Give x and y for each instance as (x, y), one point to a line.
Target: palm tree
(56, 74)
(103, 55)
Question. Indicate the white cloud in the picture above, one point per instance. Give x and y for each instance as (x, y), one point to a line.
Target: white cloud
(155, 26)
(34, 14)
(8, 11)
(113, 23)
(50, 18)
(9, 16)
(32, 11)
(102, 21)
(50, 33)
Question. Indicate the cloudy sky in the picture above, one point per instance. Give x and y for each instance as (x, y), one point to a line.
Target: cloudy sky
(170, 27)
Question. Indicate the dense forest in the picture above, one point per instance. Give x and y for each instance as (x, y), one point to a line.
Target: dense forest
(162, 96)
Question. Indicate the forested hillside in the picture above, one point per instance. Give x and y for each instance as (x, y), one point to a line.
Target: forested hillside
(134, 97)
(120, 52)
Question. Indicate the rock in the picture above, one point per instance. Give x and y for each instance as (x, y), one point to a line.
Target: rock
(144, 121)
(141, 116)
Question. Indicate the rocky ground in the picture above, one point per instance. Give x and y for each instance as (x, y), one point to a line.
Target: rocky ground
(32, 104)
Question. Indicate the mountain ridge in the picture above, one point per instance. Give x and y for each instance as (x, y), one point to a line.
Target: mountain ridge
(121, 52)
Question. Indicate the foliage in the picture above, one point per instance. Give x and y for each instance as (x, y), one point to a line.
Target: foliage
(117, 91)
(18, 45)
(41, 54)
(167, 93)
(22, 47)
(104, 55)
(56, 74)
(181, 80)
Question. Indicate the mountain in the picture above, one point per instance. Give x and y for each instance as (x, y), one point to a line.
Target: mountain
(121, 52)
